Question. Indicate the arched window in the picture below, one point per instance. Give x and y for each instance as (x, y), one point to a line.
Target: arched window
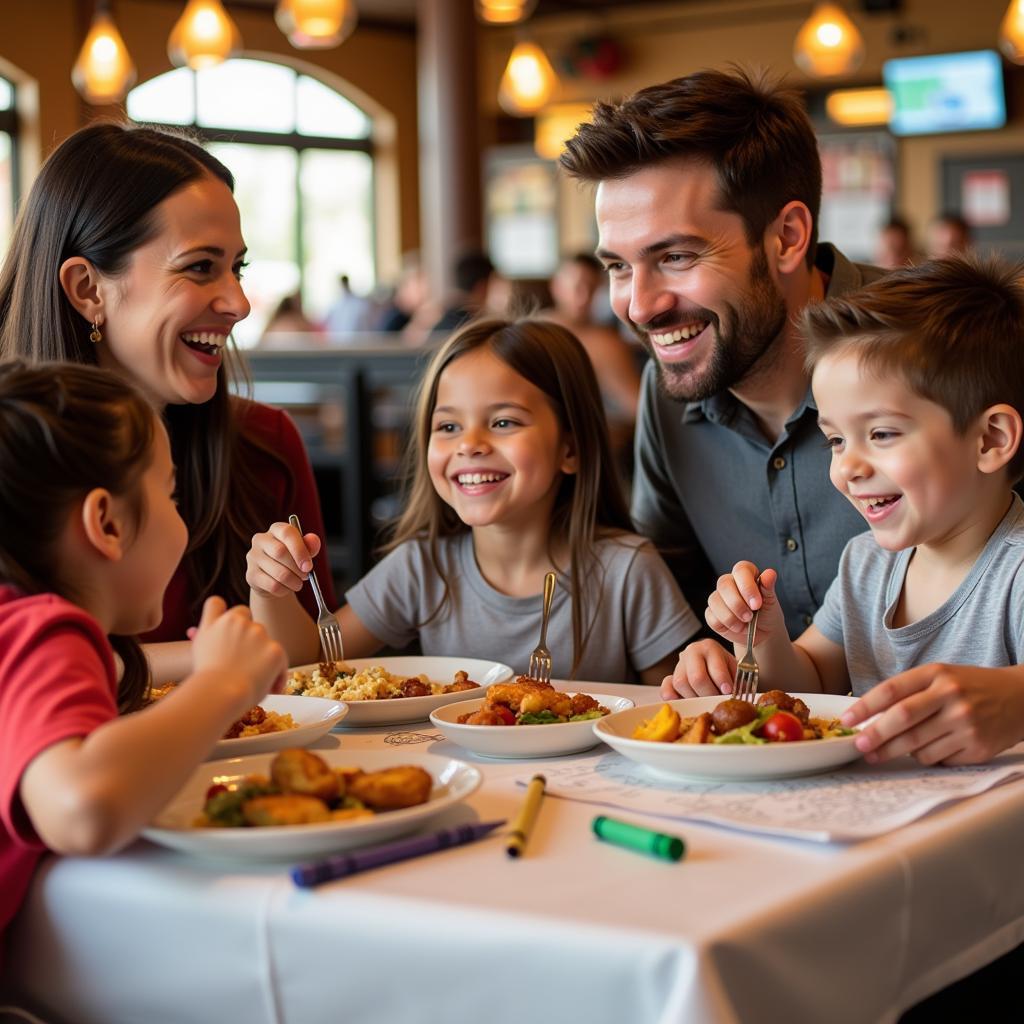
(8, 162)
(302, 158)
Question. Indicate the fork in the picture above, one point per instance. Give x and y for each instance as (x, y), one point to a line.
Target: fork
(326, 622)
(540, 659)
(744, 686)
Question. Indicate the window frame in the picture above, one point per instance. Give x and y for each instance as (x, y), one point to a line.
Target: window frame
(298, 141)
(9, 124)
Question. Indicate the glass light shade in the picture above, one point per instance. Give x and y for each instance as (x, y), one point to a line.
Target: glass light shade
(504, 12)
(1011, 32)
(104, 71)
(203, 36)
(557, 124)
(828, 44)
(316, 24)
(859, 106)
(528, 82)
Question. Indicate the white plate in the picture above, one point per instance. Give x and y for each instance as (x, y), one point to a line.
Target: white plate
(314, 717)
(726, 760)
(416, 709)
(453, 782)
(523, 740)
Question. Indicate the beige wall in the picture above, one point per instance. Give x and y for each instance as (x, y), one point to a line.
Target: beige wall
(665, 41)
(376, 68)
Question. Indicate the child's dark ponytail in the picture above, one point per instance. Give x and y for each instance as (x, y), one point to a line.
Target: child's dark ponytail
(64, 430)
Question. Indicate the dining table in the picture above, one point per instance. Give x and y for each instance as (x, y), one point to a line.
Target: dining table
(747, 926)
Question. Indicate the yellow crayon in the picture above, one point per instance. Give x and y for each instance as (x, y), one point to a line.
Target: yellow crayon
(523, 825)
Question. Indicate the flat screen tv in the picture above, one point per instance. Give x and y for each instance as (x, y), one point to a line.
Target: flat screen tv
(946, 92)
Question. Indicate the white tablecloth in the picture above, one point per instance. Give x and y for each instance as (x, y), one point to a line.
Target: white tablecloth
(743, 929)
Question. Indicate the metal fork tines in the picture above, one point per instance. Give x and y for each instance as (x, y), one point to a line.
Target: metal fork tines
(745, 684)
(326, 622)
(540, 659)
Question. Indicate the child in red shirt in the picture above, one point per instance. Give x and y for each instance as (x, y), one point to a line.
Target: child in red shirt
(91, 535)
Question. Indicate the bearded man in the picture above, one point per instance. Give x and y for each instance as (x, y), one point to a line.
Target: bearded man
(708, 189)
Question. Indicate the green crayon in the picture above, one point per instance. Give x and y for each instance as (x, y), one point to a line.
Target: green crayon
(633, 837)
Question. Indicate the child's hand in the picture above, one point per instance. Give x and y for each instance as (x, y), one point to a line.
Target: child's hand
(736, 598)
(705, 669)
(949, 714)
(229, 643)
(280, 560)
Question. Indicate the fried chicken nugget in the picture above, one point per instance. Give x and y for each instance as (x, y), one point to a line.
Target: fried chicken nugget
(285, 809)
(511, 694)
(483, 716)
(392, 788)
(698, 731)
(302, 772)
(351, 813)
(546, 700)
(462, 682)
(581, 703)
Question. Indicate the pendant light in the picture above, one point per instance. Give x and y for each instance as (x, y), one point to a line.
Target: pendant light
(316, 24)
(203, 36)
(529, 80)
(828, 44)
(504, 12)
(1011, 32)
(103, 72)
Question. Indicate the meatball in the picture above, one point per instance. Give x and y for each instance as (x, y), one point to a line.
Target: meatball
(784, 702)
(415, 687)
(731, 714)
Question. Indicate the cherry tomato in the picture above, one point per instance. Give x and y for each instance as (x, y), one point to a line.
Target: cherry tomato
(505, 713)
(216, 788)
(782, 727)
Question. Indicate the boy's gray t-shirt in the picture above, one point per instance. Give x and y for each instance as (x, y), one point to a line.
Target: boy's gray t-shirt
(642, 615)
(981, 624)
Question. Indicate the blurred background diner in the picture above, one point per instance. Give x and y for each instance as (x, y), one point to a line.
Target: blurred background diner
(396, 167)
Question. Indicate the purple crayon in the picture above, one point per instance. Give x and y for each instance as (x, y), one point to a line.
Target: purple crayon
(343, 864)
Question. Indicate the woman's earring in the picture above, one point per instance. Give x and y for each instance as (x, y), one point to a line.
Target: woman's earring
(94, 335)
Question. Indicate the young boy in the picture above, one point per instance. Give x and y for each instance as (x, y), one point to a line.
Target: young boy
(919, 383)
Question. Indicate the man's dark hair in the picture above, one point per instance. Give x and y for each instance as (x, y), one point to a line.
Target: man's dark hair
(753, 131)
(470, 269)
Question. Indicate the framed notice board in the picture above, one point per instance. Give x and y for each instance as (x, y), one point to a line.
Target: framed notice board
(988, 192)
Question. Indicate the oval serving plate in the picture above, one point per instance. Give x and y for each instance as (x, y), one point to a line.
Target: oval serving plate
(399, 710)
(314, 717)
(737, 762)
(453, 782)
(551, 740)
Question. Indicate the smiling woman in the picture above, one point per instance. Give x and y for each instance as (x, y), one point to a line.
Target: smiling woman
(128, 254)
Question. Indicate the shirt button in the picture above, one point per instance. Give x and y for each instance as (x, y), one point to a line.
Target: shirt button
(790, 544)
(808, 619)
(779, 462)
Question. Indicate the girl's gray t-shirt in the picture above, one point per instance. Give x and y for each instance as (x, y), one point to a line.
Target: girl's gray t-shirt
(982, 622)
(635, 612)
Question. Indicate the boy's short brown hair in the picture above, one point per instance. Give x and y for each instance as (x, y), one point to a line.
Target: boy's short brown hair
(754, 132)
(953, 329)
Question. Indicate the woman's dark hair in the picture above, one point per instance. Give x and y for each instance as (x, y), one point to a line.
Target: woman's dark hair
(589, 503)
(97, 197)
(65, 430)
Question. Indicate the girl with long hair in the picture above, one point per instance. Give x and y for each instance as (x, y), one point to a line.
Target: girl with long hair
(128, 254)
(512, 477)
(91, 538)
